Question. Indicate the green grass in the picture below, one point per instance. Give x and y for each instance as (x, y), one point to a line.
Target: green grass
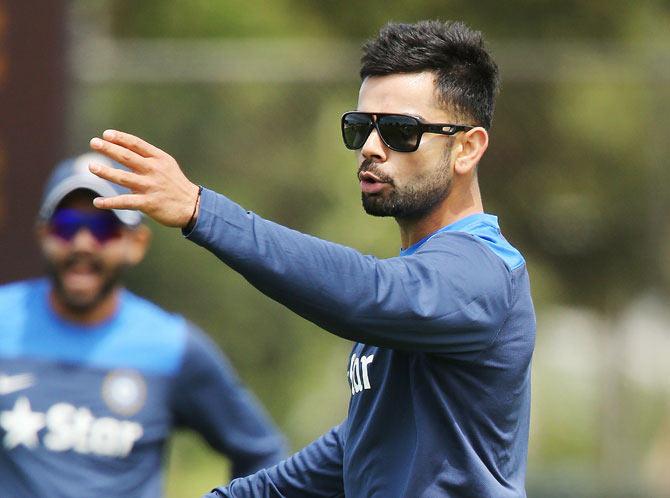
(193, 468)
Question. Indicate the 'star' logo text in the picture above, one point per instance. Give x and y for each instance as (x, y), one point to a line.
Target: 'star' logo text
(12, 383)
(358, 372)
(68, 428)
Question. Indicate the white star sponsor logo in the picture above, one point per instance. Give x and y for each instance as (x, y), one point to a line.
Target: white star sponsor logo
(68, 428)
(12, 383)
(22, 425)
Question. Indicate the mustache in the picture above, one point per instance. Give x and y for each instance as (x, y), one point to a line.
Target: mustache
(76, 259)
(368, 165)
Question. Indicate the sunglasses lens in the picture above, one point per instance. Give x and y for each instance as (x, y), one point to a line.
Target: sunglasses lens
(106, 229)
(400, 133)
(104, 226)
(355, 129)
(62, 228)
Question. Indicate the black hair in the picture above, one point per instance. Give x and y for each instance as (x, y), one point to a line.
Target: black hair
(466, 75)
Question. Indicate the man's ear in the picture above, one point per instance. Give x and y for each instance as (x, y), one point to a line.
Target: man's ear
(41, 231)
(41, 234)
(473, 145)
(138, 243)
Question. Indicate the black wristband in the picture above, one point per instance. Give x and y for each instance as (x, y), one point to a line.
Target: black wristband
(191, 220)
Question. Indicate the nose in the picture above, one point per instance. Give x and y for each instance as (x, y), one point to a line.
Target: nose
(374, 148)
(84, 240)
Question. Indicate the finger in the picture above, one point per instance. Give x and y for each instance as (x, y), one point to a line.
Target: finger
(119, 154)
(125, 201)
(131, 142)
(126, 179)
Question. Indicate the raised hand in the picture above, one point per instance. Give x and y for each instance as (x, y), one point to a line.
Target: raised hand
(159, 187)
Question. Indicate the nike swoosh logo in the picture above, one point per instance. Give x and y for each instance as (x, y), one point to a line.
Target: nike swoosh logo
(12, 383)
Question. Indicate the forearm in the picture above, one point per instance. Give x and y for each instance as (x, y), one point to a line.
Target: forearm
(315, 471)
(275, 451)
(320, 280)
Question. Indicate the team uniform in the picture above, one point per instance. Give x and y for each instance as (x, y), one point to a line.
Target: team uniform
(86, 411)
(439, 374)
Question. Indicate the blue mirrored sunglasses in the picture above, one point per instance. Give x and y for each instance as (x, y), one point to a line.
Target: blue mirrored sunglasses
(104, 225)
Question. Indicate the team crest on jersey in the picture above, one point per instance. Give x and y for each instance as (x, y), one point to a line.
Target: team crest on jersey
(124, 392)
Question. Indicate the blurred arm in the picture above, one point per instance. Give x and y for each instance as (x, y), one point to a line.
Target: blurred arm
(209, 398)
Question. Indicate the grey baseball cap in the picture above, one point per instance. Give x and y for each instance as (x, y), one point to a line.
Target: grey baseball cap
(73, 174)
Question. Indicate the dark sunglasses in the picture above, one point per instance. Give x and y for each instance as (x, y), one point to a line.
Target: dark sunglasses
(104, 226)
(399, 132)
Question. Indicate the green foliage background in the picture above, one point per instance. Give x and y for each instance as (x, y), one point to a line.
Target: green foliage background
(574, 171)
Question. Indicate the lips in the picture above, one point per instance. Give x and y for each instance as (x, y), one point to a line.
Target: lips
(370, 183)
(76, 282)
(81, 275)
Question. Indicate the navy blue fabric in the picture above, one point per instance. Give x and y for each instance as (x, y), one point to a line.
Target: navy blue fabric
(86, 411)
(439, 374)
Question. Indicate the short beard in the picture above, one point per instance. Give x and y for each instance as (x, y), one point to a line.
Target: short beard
(413, 201)
(74, 304)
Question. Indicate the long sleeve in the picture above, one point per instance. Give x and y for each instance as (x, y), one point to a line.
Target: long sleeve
(209, 398)
(451, 296)
(315, 471)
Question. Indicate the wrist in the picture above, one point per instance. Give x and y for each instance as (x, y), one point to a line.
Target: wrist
(196, 210)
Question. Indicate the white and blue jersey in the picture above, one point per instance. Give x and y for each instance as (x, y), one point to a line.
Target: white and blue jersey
(86, 411)
(439, 374)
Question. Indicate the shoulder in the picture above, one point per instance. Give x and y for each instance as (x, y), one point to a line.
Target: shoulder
(170, 331)
(18, 290)
(470, 264)
(15, 296)
(148, 327)
(484, 241)
(19, 302)
(200, 346)
(140, 308)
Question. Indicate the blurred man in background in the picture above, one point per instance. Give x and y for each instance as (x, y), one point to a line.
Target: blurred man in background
(440, 372)
(93, 379)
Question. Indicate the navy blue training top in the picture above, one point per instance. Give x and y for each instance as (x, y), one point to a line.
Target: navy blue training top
(85, 411)
(439, 374)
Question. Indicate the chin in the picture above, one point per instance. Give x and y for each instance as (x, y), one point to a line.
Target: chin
(374, 205)
(82, 298)
(412, 205)
(80, 302)
(383, 207)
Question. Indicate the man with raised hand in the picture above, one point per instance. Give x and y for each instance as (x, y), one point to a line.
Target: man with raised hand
(440, 372)
(94, 379)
